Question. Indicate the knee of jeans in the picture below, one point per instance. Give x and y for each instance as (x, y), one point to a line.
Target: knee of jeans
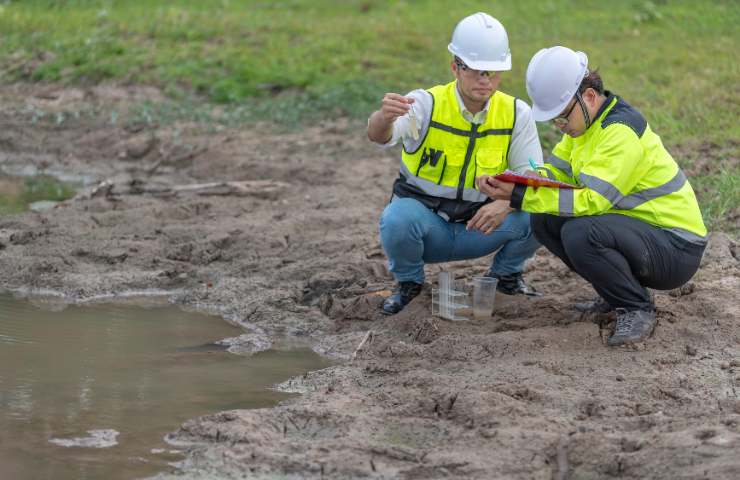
(399, 214)
(519, 223)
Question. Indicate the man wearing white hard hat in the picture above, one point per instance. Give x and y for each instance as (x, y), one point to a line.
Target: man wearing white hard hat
(451, 134)
(634, 222)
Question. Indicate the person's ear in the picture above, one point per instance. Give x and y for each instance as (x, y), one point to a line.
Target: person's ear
(590, 96)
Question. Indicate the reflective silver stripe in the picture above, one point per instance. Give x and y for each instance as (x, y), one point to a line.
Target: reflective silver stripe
(565, 202)
(442, 191)
(426, 186)
(638, 198)
(602, 187)
(633, 200)
(473, 195)
(560, 164)
(688, 236)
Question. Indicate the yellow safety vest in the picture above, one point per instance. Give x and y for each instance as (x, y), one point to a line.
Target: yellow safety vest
(624, 169)
(441, 172)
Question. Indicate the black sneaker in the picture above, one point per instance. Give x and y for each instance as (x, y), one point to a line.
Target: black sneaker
(401, 296)
(597, 305)
(632, 326)
(513, 284)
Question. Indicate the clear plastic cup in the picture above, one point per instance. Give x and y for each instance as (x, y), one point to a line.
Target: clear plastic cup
(484, 297)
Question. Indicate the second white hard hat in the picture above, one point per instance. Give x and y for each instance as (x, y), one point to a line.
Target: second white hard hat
(482, 43)
(553, 77)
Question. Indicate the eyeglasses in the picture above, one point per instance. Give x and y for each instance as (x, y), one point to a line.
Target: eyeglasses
(562, 120)
(474, 73)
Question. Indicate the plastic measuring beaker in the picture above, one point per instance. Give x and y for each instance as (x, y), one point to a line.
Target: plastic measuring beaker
(484, 297)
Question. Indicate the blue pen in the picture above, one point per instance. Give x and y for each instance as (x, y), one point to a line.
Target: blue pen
(531, 164)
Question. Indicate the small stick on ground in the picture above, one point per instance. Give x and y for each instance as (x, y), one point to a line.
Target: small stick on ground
(368, 335)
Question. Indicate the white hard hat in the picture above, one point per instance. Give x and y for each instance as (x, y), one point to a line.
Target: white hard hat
(482, 43)
(553, 77)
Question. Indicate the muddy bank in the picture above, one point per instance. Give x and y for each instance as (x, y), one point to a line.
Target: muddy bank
(291, 247)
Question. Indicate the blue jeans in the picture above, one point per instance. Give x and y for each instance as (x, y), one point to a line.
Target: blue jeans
(413, 235)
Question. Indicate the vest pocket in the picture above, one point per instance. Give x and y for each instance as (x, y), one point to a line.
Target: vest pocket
(455, 161)
(489, 161)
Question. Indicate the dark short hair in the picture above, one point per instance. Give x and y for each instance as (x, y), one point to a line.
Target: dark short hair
(592, 80)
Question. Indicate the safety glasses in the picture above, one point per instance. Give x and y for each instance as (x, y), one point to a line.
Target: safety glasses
(474, 73)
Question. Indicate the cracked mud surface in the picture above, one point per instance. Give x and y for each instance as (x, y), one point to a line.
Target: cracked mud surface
(294, 250)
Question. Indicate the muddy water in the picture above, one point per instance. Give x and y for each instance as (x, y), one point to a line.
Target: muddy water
(17, 194)
(89, 392)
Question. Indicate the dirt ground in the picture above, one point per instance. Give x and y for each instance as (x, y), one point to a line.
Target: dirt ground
(293, 250)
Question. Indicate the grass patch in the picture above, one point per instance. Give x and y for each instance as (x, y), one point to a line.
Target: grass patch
(720, 199)
(17, 193)
(304, 60)
(674, 60)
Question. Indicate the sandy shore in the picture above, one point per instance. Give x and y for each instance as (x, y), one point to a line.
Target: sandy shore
(277, 231)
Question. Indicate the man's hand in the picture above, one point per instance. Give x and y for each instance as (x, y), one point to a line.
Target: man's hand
(394, 106)
(380, 124)
(489, 217)
(493, 188)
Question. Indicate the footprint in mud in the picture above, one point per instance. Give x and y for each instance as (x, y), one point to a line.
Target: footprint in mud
(27, 236)
(110, 258)
(705, 434)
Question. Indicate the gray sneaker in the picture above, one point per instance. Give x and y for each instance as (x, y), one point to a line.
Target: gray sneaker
(632, 326)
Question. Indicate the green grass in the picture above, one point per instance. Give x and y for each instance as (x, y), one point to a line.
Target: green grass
(302, 60)
(16, 193)
(719, 195)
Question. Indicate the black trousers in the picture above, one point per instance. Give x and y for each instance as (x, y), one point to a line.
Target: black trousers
(619, 255)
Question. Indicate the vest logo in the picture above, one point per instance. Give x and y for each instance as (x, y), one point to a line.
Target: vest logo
(432, 157)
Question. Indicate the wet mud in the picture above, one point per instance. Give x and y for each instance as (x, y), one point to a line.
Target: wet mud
(277, 231)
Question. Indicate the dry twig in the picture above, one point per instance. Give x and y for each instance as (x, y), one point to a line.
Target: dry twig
(367, 337)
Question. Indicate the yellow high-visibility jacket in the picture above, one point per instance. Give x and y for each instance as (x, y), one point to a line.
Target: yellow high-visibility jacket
(624, 169)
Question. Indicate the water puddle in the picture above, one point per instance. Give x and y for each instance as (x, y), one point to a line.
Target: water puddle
(89, 392)
(18, 194)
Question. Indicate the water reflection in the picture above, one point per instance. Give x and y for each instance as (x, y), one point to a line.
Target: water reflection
(107, 368)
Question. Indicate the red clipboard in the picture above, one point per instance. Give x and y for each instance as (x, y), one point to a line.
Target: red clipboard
(531, 180)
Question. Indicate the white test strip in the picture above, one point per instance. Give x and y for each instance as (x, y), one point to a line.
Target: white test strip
(414, 124)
